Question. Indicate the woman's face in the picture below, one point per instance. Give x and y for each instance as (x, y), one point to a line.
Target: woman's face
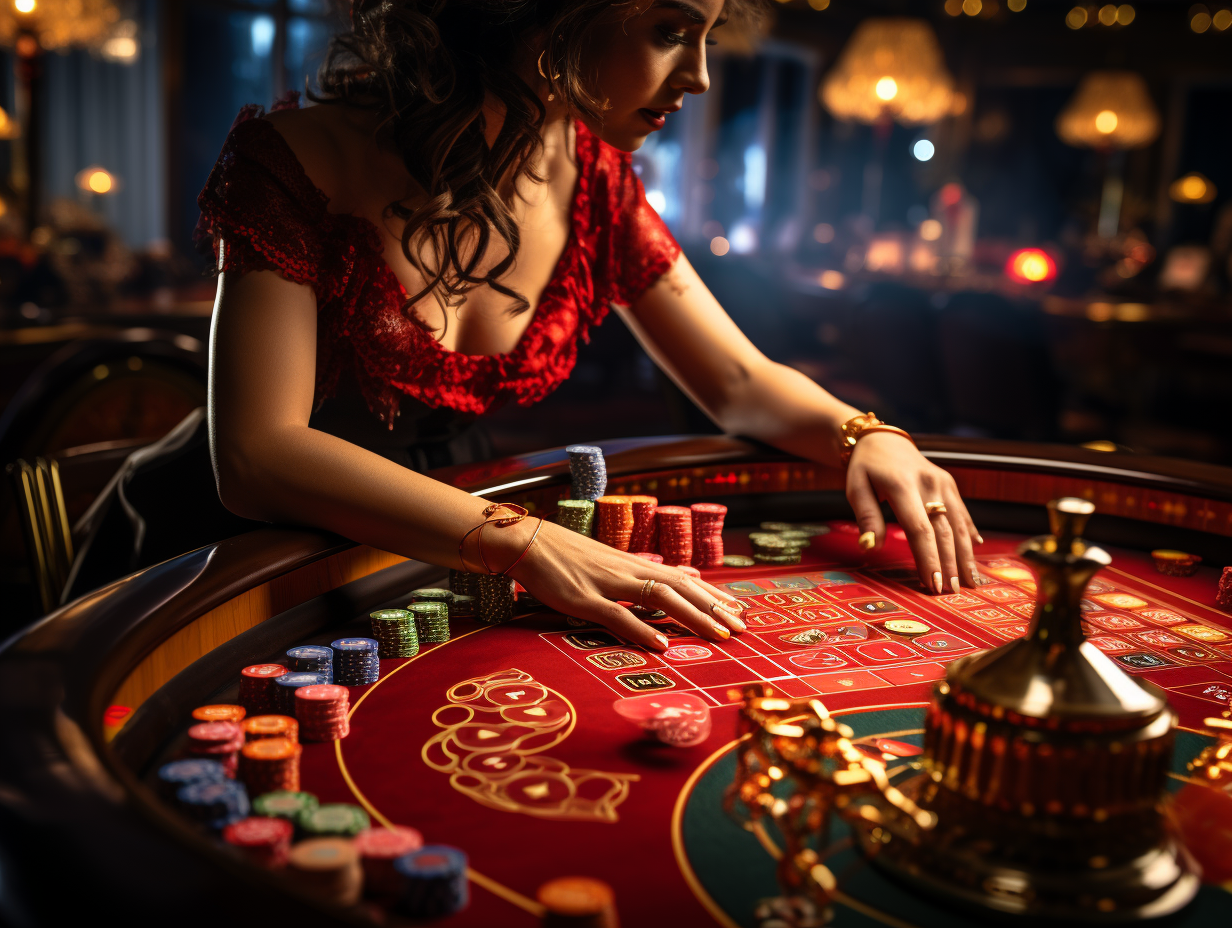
(644, 65)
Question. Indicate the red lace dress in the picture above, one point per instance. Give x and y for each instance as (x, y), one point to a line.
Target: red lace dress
(259, 200)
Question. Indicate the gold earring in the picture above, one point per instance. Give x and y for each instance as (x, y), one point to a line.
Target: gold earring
(543, 74)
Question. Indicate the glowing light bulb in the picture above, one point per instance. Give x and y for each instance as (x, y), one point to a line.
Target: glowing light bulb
(1106, 122)
(886, 89)
(24, 6)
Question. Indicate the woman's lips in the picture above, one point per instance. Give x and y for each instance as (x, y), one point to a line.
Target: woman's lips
(656, 118)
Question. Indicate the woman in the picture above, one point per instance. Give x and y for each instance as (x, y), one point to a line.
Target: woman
(437, 238)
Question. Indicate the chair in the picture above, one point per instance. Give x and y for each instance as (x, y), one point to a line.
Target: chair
(44, 522)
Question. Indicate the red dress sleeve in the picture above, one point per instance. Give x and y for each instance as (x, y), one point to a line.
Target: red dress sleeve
(633, 245)
(263, 213)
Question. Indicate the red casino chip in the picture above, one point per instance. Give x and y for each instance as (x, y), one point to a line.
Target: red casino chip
(321, 710)
(218, 741)
(378, 849)
(265, 841)
(257, 687)
(675, 525)
(708, 534)
(645, 525)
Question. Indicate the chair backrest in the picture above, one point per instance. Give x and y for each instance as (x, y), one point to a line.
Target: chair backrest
(44, 519)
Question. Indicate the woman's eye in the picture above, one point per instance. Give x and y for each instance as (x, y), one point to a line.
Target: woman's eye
(674, 38)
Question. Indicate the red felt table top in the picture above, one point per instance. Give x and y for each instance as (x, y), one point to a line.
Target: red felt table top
(529, 769)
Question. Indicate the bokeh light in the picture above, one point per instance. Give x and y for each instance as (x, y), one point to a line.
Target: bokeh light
(886, 89)
(930, 230)
(1106, 122)
(1076, 18)
(719, 246)
(923, 150)
(24, 6)
(823, 233)
(1031, 266)
(1017, 6)
(831, 280)
(1192, 188)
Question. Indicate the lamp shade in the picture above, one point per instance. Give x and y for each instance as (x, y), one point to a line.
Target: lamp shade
(58, 23)
(1110, 109)
(890, 68)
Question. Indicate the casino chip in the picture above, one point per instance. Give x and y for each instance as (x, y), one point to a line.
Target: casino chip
(395, 632)
(778, 547)
(463, 606)
(271, 726)
(284, 804)
(906, 627)
(464, 583)
(496, 599)
(431, 620)
(356, 661)
(378, 849)
(257, 689)
(323, 712)
(327, 869)
(708, 534)
(287, 684)
(338, 818)
(737, 560)
(675, 534)
(174, 776)
(219, 713)
(614, 521)
(645, 535)
(587, 470)
(578, 900)
(432, 594)
(270, 765)
(312, 658)
(215, 803)
(433, 882)
(220, 741)
(577, 515)
(264, 841)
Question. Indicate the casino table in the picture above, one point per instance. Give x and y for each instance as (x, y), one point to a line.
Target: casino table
(504, 742)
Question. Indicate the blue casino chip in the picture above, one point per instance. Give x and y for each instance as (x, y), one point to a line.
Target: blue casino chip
(433, 881)
(179, 773)
(214, 803)
(587, 471)
(311, 658)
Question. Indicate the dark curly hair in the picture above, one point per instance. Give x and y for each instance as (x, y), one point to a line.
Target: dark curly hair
(426, 67)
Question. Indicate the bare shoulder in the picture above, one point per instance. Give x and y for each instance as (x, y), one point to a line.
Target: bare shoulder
(331, 142)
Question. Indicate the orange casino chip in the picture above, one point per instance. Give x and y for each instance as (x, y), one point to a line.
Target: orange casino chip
(614, 521)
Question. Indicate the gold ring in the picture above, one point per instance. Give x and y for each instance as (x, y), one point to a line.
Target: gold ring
(647, 587)
(936, 508)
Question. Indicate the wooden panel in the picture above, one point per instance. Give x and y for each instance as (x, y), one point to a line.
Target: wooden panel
(246, 611)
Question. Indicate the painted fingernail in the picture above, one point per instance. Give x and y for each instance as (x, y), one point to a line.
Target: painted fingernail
(937, 581)
(975, 577)
(662, 640)
(868, 540)
(954, 585)
(721, 631)
(979, 539)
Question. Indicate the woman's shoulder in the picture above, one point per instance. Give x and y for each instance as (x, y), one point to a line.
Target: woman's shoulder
(330, 142)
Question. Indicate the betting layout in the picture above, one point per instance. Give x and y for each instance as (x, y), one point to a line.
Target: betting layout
(830, 632)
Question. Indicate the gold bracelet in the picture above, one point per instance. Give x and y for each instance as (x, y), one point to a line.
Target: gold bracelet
(857, 427)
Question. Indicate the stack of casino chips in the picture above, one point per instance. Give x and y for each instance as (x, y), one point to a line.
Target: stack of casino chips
(264, 841)
(577, 515)
(587, 471)
(285, 687)
(322, 712)
(216, 803)
(648, 556)
(271, 726)
(431, 620)
(496, 599)
(176, 775)
(220, 741)
(614, 521)
(579, 902)
(463, 606)
(395, 632)
(219, 713)
(464, 583)
(327, 869)
(378, 849)
(645, 535)
(312, 658)
(708, 534)
(433, 882)
(432, 594)
(356, 661)
(776, 547)
(675, 534)
(270, 765)
(257, 687)
(336, 819)
(284, 804)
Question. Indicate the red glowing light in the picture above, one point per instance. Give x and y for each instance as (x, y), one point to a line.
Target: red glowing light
(1030, 266)
(951, 194)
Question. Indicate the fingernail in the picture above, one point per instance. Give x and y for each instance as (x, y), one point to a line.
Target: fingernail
(721, 630)
(937, 581)
(954, 585)
(979, 539)
(868, 540)
(975, 577)
(662, 640)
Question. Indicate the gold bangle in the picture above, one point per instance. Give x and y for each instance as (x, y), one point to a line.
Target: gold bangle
(857, 427)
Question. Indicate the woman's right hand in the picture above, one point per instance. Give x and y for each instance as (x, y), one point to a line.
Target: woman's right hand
(586, 579)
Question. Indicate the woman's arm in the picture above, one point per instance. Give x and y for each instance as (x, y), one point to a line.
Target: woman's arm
(270, 465)
(689, 335)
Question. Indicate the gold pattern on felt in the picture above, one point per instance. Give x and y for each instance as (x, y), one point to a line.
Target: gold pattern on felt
(496, 728)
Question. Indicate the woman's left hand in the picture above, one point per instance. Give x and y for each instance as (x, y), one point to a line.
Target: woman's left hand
(887, 466)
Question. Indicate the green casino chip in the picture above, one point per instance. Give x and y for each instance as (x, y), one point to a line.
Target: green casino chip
(431, 620)
(777, 558)
(282, 804)
(464, 583)
(776, 526)
(337, 818)
(577, 515)
(431, 594)
(463, 605)
(814, 529)
(795, 534)
(395, 632)
(737, 560)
